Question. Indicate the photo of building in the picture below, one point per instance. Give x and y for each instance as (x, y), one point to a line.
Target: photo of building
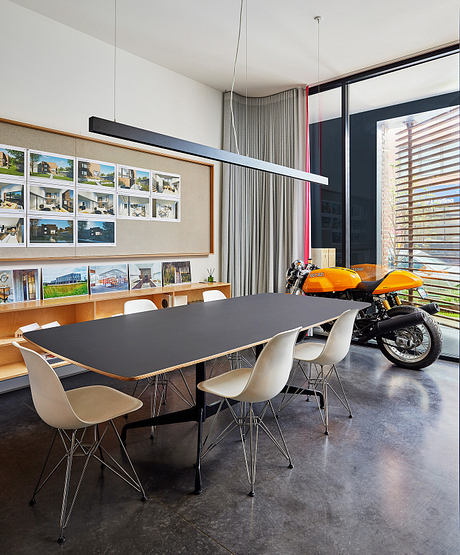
(50, 166)
(64, 281)
(50, 199)
(11, 161)
(143, 275)
(108, 278)
(133, 179)
(165, 184)
(19, 285)
(133, 207)
(96, 173)
(176, 272)
(50, 231)
(163, 209)
(96, 202)
(11, 232)
(11, 196)
(96, 232)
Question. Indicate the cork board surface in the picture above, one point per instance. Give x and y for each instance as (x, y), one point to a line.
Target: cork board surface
(192, 235)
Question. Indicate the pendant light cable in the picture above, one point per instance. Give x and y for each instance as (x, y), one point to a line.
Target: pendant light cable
(234, 76)
(114, 59)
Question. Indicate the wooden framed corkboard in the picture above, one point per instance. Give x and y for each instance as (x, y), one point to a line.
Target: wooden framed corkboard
(193, 235)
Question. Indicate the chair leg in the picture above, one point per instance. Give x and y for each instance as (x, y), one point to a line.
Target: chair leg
(350, 415)
(65, 494)
(326, 404)
(38, 485)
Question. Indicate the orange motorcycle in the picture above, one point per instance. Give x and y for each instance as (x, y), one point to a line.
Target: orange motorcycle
(407, 335)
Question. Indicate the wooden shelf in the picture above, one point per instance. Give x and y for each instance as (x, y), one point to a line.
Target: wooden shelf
(71, 310)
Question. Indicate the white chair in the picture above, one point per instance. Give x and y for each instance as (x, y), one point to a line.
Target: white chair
(249, 386)
(159, 383)
(237, 358)
(213, 295)
(324, 357)
(71, 411)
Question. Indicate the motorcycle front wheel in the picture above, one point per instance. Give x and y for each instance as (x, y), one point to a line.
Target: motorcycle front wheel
(415, 347)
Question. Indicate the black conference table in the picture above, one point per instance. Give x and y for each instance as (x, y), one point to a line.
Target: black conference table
(138, 346)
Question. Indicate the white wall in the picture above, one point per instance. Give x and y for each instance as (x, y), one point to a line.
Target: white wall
(57, 77)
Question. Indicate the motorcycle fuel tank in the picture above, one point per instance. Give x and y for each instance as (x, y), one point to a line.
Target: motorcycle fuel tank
(327, 280)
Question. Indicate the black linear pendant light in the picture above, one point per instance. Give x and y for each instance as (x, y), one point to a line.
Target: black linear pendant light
(118, 130)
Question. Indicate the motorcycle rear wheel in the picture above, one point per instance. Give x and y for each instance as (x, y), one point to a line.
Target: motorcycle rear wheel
(415, 347)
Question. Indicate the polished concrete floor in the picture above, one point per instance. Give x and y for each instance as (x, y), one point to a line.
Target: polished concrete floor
(385, 481)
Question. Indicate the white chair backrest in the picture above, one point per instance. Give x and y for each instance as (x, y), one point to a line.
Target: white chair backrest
(271, 371)
(50, 399)
(139, 305)
(338, 342)
(213, 295)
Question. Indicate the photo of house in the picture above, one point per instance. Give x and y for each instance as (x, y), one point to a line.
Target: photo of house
(133, 179)
(19, 285)
(11, 232)
(11, 196)
(176, 272)
(95, 202)
(163, 209)
(96, 232)
(165, 184)
(43, 166)
(133, 207)
(11, 161)
(50, 199)
(143, 275)
(109, 277)
(43, 231)
(95, 173)
(64, 281)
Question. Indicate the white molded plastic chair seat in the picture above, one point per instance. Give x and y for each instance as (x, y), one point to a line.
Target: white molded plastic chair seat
(139, 305)
(213, 295)
(75, 410)
(95, 404)
(327, 355)
(254, 385)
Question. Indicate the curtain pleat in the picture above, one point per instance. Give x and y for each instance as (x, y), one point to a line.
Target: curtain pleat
(263, 215)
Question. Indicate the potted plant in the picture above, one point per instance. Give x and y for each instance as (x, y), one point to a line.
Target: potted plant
(211, 274)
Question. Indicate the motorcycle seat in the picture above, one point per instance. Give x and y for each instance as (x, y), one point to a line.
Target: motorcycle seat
(370, 286)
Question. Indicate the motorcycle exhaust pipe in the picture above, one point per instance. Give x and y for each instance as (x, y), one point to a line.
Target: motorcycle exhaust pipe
(431, 308)
(395, 323)
(398, 322)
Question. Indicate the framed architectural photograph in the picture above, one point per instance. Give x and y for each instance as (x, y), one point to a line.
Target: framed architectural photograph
(130, 206)
(133, 179)
(143, 275)
(108, 277)
(12, 161)
(96, 232)
(19, 285)
(176, 272)
(95, 173)
(46, 167)
(95, 203)
(49, 198)
(165, 209)
(165, 184)
(12, 231)
(11, 196)
(64, 281)
(48, 232)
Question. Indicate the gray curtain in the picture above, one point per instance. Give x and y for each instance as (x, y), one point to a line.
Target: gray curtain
(263, 215)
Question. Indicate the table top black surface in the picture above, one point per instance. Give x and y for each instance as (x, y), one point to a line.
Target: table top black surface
(138, 345)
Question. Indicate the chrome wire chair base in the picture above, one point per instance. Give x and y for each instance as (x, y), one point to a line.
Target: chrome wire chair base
(236, 360)
(158, 394)
(319, 379)
(248, 423)
(74, 447)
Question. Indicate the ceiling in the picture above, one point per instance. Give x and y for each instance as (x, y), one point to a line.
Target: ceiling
(197, 38)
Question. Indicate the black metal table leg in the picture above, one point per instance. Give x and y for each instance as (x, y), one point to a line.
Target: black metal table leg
(200, 372)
